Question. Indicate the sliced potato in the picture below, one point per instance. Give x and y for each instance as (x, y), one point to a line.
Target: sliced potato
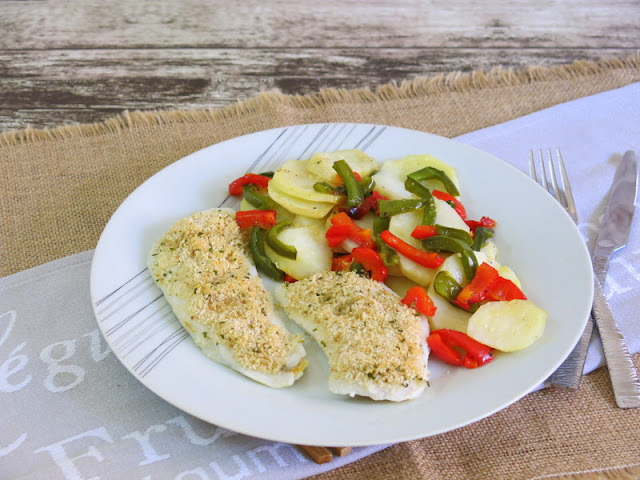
(507, 326)
(300, 221)
(400, 285)
(448, 217)
(392, 175)
(321, 164)
(366, 221)
(390, 183)
(314, 255)
(299, 206)
(490, 250)
(244, 205)
(509, 274)
(395, 272)
(295, 180)
(447, 316)
(401, 226)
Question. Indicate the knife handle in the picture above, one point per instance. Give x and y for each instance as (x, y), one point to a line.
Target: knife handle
(569, 373)
(624, 377)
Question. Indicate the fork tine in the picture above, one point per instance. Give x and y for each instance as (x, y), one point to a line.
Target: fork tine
(532, 167)
(571, 205)
(543, 180)
(559, 194)
(557, 186)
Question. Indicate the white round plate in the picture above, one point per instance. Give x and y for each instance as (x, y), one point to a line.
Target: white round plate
(535, 237)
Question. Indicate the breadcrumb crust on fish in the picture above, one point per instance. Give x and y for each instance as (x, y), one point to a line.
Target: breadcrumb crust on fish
(375, 345)
(203, 267)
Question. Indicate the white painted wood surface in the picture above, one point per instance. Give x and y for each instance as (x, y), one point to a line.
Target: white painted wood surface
(64, 61)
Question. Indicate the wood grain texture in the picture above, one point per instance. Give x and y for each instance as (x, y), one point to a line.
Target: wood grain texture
(64, 62)
(311, 24)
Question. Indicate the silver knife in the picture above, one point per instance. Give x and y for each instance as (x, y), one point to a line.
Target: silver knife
(613, 235)
(569, 373)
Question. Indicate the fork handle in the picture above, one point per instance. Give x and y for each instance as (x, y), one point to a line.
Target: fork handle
(624, 377)
(569, 373)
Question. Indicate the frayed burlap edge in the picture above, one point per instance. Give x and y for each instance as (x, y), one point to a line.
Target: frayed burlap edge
(418, 87)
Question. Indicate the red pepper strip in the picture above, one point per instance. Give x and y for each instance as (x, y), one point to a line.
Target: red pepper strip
(418, 296)
(371, 261)
(289, 279)
(342, 262)
(256, 218)
(235, 187)
(457, 206)
(424, 231)
(505, 290)
(443, 351)
(343, 228)
(476, 353)
(487, 284)
(484, 222)
(426, 259)
(476, 290)
(336, 234)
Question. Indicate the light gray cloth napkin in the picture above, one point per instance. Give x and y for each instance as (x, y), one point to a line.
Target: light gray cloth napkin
(70, 410)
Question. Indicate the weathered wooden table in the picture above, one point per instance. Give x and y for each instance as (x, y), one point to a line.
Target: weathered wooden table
(64, 62)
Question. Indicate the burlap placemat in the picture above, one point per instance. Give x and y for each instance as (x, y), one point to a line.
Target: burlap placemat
(59, 187)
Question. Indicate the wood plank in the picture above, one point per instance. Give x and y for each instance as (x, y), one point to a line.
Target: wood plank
(318, 454)
(68, 24)
(341, 451)
(51, 88)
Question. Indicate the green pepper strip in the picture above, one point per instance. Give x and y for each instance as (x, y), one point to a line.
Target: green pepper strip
(278, 245)
(388, 255)
(358, 268)
(355, 193)
(427, 173)
(444, 243)
(255, 198)
(446, 286)
(415, 187)
(260, 258)
(455, 233)
(267, 174)
(395, 207)
(368, 184)
(323, 187)
(480, 237)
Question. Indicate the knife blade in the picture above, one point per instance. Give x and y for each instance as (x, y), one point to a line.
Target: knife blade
(618, 215)
(613, 235)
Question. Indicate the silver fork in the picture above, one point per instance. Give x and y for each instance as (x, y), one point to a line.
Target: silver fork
(569, 373)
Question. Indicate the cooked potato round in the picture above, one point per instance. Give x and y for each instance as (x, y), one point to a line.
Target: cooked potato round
(314, 254)
(321, 164)
(299, 206)
(507, 326)
(390, 179)
(294, 179)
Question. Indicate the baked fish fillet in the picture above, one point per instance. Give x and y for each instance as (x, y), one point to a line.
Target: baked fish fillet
(375, 346)
(206, 274)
